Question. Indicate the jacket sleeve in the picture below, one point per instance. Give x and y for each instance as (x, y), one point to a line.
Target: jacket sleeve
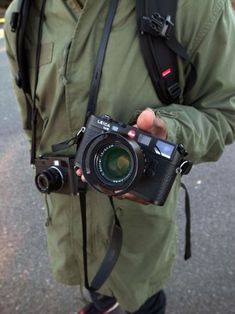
(205, 121)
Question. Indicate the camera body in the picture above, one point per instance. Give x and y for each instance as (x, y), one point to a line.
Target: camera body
(117, 158)
(56, 174)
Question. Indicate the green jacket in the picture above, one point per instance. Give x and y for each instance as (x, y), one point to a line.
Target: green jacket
(204, 121)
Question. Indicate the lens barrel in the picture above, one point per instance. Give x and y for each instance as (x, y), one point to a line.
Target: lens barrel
(50, 180)
(112, 163)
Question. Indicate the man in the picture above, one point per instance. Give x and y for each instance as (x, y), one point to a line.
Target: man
(203, 121)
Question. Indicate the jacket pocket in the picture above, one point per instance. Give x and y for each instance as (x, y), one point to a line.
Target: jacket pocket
(46, 55)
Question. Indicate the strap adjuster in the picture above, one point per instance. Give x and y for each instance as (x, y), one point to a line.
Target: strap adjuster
(174, 90)
(157, 25)
(14, 21)
(18, 79)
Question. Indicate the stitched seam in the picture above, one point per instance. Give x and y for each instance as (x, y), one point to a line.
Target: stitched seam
(217, 11)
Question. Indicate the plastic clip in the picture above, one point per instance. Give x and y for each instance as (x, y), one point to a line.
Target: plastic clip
(157, 25)
(174, 90)
(18, 79)
(14, 21)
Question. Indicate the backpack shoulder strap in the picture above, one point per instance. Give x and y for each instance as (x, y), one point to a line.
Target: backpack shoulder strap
(160, 48)
(19, 19)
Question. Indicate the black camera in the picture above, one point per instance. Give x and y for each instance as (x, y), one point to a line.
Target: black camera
(56, 174)
(117, 158)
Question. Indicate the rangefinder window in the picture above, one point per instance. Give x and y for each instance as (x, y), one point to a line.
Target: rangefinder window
(144, 139)
(164, 149)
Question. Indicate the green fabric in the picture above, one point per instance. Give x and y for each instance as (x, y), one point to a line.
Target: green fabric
(204, 122)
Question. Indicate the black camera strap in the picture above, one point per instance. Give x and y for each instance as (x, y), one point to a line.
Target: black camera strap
(187, 206)
(95, 82)
(37, 65)
(18, 23)
(115, 244)
(19, 20)
(112, 253)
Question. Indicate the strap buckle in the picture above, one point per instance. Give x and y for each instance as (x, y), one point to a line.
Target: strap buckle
(157, 25)
(18, 80)
(14, 22)
(174, 90)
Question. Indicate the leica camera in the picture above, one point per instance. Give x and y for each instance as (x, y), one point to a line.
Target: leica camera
(117, 158)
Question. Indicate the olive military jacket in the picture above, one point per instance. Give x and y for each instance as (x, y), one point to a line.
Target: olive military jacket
(203, 120)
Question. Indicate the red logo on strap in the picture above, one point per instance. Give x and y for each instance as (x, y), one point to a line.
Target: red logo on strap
(166, 72)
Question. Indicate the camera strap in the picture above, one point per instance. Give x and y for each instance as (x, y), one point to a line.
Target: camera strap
(19, 20)
(18, 23)
(110, 257)
(107, 264)
(95, 82)
(96, 76)
(37, 66)
(115, 244)
(187, 206)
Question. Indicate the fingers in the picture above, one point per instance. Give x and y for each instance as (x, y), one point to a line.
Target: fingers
(79, 174)
(145, 120)
(128, 196)
(133, 198)
(149, 122)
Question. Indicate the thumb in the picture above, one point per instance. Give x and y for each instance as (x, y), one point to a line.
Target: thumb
(149, 122)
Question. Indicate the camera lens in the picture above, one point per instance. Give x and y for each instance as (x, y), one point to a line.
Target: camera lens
(115, 163)
(50, 180)
(112, 164)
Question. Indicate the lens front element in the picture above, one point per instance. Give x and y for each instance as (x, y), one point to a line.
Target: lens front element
(115, 163)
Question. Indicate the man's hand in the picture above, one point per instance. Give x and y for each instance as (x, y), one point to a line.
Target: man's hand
(148, 122)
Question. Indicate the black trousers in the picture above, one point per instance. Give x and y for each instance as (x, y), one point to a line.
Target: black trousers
(154, 305)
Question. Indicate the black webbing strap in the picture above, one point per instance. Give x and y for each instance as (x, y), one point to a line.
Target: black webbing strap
(37, 65)
(187, 251)
(95, 82)
(115, 244)
(112, 253)
(96, 76)
(22, 80)
(19, 20)
(156, 20)
(82, 198)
